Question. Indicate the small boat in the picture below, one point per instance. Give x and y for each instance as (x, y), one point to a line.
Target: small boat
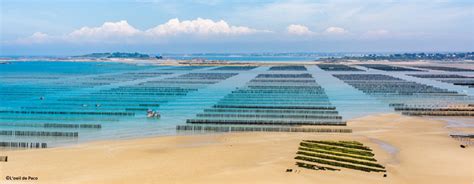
(152, 114)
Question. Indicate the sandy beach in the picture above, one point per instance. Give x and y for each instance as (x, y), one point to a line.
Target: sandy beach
(413, 150)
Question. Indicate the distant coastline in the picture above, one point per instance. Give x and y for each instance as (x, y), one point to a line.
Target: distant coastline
(454, 56)
(202, 59)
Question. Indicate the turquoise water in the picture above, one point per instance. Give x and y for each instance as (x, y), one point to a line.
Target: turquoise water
(86, 101)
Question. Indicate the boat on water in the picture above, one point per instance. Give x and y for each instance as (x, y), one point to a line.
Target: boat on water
(152, 114)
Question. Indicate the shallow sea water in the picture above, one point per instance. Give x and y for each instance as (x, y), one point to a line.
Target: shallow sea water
(84, 87)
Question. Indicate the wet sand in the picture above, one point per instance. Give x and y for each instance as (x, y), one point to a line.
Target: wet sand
(413, 150)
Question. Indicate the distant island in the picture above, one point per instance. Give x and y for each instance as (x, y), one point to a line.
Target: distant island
(118, 55)
(230, 59)
(406, 57)
(200, 59)
(135, 57)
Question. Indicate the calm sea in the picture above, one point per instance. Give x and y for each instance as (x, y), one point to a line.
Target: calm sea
(61, 103)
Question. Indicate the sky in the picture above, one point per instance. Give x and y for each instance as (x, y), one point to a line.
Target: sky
(72, 27)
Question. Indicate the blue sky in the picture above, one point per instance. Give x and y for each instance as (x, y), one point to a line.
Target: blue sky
(68, 27)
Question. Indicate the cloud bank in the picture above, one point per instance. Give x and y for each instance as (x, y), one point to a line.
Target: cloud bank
(199, 26)
(108, 29)
(122, 31)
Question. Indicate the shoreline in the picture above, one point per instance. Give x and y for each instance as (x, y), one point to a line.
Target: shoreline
(170, 62)
(260, 157)
(175, 62)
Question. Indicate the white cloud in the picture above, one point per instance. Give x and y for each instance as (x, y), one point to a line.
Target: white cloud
(199, 26)
(121, 31)
(37, 37)
(107, 30)
(335, 30)
(297, 29)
